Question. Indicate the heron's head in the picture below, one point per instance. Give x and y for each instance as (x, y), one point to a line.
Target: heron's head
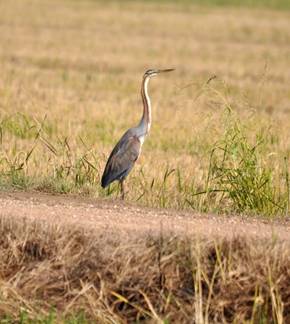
(153, 72)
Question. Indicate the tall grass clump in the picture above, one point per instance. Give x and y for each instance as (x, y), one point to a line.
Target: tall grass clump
(240, 178)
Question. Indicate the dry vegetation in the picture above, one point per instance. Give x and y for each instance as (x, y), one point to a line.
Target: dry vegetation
(69, 87)
(54, 274)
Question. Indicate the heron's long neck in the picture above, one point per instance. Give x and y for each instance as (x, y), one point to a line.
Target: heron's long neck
(145, 122)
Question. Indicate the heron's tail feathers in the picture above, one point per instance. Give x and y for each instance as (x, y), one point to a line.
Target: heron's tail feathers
(109, 177)
(105, 180)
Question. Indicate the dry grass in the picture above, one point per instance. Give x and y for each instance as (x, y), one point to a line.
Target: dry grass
(69, 87)
(63, 274)
(70, 78)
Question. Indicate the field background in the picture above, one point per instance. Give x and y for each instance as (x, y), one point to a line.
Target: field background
(70, 84)
(70, 74)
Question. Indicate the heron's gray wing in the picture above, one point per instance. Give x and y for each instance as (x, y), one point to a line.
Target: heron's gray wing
(122, 159)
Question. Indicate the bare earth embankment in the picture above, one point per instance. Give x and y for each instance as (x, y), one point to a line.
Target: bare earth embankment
(123, 218)
(104, 261)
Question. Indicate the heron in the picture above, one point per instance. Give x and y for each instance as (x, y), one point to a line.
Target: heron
(128, 149)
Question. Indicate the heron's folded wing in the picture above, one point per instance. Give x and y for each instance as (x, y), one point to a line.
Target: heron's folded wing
(121, 160)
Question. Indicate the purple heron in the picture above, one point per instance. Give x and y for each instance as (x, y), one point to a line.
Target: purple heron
(128, 149)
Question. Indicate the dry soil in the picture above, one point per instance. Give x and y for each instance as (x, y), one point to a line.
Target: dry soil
(114, 216)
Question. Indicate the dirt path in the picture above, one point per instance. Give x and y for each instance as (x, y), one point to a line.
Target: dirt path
(115, 216)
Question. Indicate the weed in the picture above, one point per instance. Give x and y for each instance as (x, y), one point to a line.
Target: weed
(238, 177)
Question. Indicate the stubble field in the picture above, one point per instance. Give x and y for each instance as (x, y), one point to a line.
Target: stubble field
(70, 83)
(219, 143)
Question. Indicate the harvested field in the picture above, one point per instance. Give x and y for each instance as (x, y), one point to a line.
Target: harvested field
(204, 234)
(69, 88)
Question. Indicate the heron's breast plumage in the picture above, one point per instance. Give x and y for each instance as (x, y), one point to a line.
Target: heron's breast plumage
(142, 139)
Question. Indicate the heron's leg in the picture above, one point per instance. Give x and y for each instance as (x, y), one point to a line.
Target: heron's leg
(122, 189)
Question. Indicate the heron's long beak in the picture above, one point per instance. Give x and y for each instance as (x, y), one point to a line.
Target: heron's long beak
(166, 70)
